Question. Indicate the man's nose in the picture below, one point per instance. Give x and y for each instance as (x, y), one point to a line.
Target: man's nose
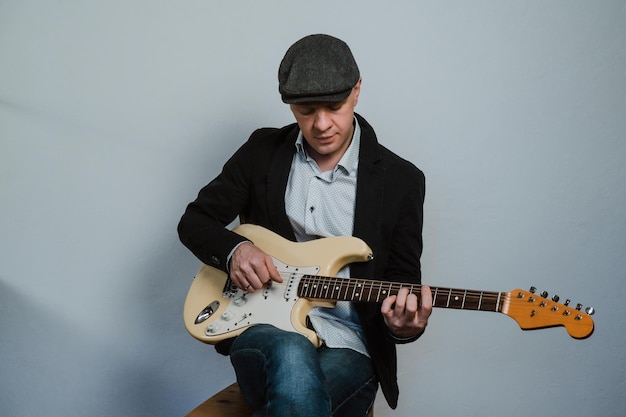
(322, 120)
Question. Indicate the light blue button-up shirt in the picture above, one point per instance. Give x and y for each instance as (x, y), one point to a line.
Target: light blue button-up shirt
(321, 204)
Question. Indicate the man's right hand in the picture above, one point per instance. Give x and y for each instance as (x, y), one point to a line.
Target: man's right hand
(251, 268)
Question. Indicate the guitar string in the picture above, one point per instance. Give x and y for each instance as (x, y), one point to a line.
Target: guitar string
(352, 282)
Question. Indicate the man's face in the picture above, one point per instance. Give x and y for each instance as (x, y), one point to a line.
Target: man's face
(327, 126)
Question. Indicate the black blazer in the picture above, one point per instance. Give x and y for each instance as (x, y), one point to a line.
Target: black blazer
(388, 216)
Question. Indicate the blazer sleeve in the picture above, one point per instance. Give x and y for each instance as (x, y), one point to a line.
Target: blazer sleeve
(202, 227)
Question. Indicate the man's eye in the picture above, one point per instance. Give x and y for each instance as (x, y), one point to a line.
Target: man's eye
(305, 111)
(336, 107)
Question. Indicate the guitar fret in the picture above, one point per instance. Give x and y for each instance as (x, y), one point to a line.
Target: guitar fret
(344, 288)
(309, 286)
(319, 288)
(315, 287)
(324, 287)
(328, 284)
(469, 301)
(334, 289)
(312, 287)
(302, 287)
(339, 286)
(341, 290)
(333, 282)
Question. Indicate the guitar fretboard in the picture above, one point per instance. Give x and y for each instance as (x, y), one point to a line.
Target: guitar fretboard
(362, 290)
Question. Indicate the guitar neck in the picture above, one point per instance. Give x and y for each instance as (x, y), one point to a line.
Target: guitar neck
(361, 290)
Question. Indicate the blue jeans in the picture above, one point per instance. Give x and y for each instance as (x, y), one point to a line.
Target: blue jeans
(281, 373)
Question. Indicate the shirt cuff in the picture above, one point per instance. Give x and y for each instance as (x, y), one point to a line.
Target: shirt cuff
(230, 254)
(403, 340)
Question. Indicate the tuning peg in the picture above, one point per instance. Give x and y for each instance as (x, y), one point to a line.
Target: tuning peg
(579, 306)
(590, 311)
(544, 294)
(567, 302)
(555, 298)
(533, 289)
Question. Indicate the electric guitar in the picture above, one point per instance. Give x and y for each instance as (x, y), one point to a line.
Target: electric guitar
(215, 309)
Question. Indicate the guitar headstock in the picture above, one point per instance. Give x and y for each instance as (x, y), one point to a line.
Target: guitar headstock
(535, 311)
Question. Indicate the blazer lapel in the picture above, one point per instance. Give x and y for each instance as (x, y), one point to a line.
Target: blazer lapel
(369, 193)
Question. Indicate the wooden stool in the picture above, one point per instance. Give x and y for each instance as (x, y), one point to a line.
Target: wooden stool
(229, 403)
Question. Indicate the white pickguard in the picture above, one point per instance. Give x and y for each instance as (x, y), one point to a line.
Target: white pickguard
(271, 305)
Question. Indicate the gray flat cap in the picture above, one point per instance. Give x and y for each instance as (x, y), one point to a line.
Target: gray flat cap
(317, 68)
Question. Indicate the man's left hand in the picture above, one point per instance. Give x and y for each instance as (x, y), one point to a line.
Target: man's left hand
(406, 316)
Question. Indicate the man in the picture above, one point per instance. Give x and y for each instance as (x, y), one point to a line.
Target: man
(325, 175)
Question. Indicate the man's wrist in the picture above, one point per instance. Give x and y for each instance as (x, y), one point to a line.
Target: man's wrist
(230, 254)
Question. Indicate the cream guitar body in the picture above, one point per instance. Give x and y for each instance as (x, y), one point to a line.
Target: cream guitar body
(228, 310)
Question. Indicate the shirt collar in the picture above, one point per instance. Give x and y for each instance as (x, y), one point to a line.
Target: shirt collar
(349, 162)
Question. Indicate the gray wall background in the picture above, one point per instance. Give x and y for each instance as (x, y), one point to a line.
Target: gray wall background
(113, 115)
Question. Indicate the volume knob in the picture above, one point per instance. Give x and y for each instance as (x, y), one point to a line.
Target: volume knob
(212, 328)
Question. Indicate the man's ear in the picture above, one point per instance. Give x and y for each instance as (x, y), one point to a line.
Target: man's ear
(357, 91)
